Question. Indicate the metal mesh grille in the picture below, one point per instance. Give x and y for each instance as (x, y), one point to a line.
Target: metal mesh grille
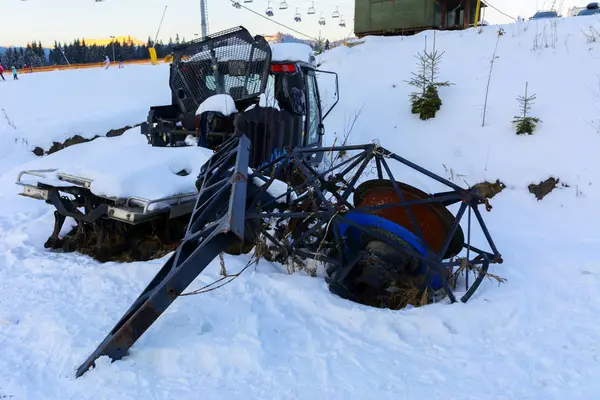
(230, 62)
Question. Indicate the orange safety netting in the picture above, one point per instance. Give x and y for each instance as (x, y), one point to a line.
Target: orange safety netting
(47, 68)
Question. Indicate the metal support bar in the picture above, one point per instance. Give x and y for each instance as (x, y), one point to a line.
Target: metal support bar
(202, 243)
(226, 202)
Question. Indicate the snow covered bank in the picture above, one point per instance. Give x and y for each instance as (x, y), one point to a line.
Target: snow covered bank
(561, 71)
(54, 106)
(269, 335)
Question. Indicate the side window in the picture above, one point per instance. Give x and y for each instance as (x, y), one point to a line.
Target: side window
(314, 113)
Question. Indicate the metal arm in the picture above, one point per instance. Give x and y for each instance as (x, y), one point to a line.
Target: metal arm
(217, 223)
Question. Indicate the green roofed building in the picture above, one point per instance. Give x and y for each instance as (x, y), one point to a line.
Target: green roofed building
(407, 17)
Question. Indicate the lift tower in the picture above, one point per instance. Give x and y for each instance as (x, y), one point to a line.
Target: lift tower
(203, 19)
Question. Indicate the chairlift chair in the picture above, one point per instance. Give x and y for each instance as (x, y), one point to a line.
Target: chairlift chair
(236, 4)
(311, 9)
(336, 13)
(322, 20)
(297, 17)
(283, 5)
(342, 23)
(248, 1)
(269, 11)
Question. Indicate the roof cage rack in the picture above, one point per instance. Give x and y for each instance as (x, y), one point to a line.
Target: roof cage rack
(269, 11)
(283, 5)
(311, 9)
(322, 20)
(336, 13)
(297, 17)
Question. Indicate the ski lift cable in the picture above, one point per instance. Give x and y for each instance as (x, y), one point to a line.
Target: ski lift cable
(318, 5)
(279, 23)
(314, 5)
(276, 22)
(333, 7)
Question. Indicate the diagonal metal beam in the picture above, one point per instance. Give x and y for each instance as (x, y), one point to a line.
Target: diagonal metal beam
(204, 240)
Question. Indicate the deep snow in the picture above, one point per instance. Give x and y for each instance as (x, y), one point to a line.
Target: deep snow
(125, 166)
(270, 335)
(85, 102)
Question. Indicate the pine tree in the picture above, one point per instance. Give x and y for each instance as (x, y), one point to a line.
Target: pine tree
(54, 56)
(426, 101)
(525, 124)
(84, 52)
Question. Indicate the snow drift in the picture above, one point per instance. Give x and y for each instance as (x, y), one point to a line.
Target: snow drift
(554, 57)
(273, 335)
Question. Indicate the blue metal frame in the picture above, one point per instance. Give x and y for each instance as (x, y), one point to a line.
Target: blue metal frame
(229, 201)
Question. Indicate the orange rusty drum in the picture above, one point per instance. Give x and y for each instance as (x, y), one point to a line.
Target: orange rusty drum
(434, 220)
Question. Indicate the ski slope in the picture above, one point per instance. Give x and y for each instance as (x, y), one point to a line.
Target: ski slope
(271, 335)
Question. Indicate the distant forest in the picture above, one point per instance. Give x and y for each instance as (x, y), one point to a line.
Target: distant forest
(78, 52)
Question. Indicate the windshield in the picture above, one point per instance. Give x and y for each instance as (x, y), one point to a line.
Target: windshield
(545, 14)
(241, 85)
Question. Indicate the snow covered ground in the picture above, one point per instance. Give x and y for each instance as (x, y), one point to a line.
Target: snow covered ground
(124, 166)
(44, 107)
(270, 335)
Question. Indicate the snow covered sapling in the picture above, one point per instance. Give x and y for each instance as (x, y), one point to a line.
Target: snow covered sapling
(319, 45)
(524, 123)
(487, 89)
(426, 101)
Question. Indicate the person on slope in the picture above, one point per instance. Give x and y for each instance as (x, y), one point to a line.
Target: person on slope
(14, 71)
(2, 72)
(120, 58)
(106, 62)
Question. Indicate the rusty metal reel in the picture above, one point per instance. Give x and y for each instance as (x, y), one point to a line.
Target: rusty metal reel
(434, 220)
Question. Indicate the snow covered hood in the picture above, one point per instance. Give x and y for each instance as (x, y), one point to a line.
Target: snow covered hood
(125, 166)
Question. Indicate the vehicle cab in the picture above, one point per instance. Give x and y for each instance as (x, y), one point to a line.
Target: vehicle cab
(233, 83)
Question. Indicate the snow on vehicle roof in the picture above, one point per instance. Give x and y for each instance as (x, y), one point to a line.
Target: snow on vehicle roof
(222, 103)
(292, 52)
(280, 52)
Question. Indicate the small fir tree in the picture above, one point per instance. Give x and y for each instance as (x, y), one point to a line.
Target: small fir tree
(426, 101)
(524, 123)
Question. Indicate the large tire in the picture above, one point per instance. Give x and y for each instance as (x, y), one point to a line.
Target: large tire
(384, 278)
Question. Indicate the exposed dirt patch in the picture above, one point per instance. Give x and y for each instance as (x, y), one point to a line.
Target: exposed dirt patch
(120, 131)
(5, 396)
(543, 188)
(183, 172)
(122, 242)
(487, 190)
(77, 139)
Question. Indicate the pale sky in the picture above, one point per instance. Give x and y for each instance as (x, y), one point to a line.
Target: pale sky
(64, 20)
